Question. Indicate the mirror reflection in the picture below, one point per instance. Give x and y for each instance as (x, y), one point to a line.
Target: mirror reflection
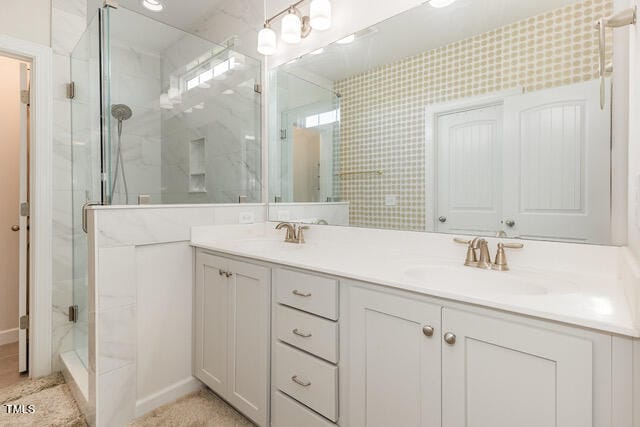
(483, 117)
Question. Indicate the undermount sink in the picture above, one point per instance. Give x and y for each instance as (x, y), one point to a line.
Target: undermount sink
(474, 280)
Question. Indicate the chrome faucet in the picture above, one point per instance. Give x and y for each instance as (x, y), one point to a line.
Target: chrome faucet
(484, 261)
(295, 234)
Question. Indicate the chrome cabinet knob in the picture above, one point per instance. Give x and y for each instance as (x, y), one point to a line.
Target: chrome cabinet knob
(510, 223)
(428, 331)
(15, 228)
(450, 338)
(442, 219)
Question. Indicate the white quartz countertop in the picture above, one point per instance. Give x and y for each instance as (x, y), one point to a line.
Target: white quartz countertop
(584, 285)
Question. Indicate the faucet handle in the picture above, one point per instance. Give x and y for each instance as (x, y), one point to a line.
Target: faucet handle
(471, 259)
(300, 234)
(463, 241)
(500, 263)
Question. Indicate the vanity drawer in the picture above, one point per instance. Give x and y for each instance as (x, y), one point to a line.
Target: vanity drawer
(289, 413)
(310, 333)
(308, 379)
(315, 294)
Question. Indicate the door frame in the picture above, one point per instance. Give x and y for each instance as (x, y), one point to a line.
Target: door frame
(432, 113)
(40, 209)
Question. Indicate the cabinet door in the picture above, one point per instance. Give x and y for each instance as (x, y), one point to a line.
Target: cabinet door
(501, 373)
(248, 340)
(394, 366)
(212, 301)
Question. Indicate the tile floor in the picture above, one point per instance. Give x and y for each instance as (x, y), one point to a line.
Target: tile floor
(9, 365)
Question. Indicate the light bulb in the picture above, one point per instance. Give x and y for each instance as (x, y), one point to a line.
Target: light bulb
(267, 44)
(440, 3)
(320, 14)
(291, 31)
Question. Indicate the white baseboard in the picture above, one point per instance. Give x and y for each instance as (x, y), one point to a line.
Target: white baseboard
(8, 336)
(167, 395)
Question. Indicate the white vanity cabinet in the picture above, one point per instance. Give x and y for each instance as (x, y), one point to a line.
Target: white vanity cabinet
(232, 331)
(502, 373)
(419, 361)
(393, 359)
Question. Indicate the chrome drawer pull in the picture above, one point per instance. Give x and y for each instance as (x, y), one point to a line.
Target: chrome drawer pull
(301, 334)
(299, 382)
(301, 294)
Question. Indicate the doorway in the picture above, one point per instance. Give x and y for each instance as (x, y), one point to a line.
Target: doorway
(14, 218)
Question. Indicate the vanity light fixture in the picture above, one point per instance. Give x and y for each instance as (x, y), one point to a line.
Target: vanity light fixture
(267, 44)
(440, 3)
(153, 5)
(320, 15)
(294, 27)
(291, 31)
(347, 40)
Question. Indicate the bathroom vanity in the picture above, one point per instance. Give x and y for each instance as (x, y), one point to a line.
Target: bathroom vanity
(369, 327)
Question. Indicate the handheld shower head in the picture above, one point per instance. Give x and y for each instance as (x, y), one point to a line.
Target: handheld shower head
(121, 112)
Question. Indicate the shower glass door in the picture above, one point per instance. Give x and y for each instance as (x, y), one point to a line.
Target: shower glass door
(86, 167)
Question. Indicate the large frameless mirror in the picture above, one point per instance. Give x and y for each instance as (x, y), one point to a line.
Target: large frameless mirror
(483, 117)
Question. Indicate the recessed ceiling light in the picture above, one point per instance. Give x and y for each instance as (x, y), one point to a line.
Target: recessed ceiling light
(440, 3)
(317, 51)
(153, 5)
(347, 40)
(228, 92)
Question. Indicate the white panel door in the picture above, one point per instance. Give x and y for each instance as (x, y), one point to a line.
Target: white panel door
(394, 367)
(469, 171)
(212, 302)
(557, 164)
(249, 338)
(503, 374)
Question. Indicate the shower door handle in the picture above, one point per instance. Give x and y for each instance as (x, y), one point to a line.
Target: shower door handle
(84, 213)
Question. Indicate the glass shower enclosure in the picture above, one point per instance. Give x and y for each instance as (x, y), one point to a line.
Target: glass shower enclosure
(158, 116)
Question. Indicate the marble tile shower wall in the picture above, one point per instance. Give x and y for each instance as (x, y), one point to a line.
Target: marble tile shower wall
(135, 81)
(68, 23)
(227, 128)
(383, 110)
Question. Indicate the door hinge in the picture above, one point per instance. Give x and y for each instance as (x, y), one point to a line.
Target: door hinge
(25, 96)
(257, 88)
(71, 90)
(24, 322)
(73, 313)
(24, 209)
(283, 134)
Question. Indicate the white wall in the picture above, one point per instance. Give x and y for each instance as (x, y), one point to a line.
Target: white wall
(9, 194)
(634, 143)
(27, 20)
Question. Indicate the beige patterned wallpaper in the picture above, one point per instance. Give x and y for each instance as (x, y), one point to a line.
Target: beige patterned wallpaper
(383, 110)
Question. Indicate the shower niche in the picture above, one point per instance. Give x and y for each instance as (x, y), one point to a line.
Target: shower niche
(197, 169)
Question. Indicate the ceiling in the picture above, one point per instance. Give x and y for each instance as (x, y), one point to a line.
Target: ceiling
(177, 13)
(418, 30)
